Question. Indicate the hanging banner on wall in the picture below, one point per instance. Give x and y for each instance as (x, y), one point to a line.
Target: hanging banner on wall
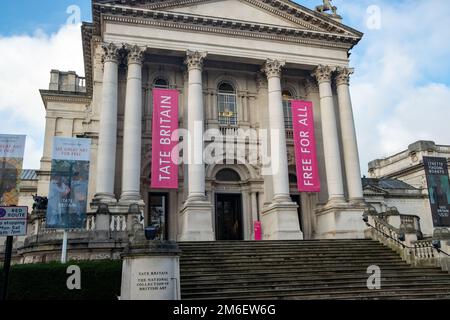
(12, 149)
(305, 146)
(67, 200)
(436, 170)
(165, 123)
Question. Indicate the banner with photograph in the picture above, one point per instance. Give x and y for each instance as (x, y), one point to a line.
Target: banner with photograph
(305, 146)
(165, 123)
(436, 170)
(67, 200)
(12, 149)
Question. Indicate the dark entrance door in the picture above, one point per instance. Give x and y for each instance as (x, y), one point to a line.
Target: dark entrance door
(158, 214)
(229, 217)
(296, 198)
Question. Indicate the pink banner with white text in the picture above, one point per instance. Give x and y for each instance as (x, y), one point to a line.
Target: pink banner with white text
(164, 141)
(305, 146)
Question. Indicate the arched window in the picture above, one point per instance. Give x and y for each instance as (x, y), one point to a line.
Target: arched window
(161, 83)
(228, 175)
(226, 103)
(287, 97)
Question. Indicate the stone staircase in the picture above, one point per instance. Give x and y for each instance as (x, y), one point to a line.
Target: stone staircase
(320, 269)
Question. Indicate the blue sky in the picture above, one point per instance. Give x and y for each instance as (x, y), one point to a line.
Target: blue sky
(400, 89)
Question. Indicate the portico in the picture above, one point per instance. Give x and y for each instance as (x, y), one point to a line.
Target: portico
(231, 74)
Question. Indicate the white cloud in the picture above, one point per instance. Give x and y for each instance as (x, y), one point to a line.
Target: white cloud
(401, 87)
(25, 64)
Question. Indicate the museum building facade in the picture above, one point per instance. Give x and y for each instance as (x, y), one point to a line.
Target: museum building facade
(237, 65)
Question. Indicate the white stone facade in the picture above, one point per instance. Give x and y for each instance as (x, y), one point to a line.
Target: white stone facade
(263, 50)
(406, 166)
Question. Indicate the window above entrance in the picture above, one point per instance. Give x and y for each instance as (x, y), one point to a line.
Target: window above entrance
(228, 175)
(226, 103)
(161, 83)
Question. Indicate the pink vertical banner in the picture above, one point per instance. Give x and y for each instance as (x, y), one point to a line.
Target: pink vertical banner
(305, 146)
(165, 123)
(258, 233)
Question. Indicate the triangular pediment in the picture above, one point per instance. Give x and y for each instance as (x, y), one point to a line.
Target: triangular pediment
(235, 10)
(262, 17)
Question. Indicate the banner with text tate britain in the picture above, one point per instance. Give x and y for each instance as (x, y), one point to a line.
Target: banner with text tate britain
(165, 123)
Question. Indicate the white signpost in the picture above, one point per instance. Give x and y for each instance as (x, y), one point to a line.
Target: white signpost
(13, 221)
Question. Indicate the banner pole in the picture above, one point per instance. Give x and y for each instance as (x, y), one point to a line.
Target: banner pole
(64, 248)
(6, 268)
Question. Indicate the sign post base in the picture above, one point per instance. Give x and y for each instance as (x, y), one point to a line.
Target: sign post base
(151, 271)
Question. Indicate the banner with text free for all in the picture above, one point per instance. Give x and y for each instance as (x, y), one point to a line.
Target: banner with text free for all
(305, 146)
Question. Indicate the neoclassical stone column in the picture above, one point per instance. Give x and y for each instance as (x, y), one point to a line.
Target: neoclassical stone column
(106, 158)
(263, 114)
(196, 167)
(330, 135)
(280, 218)
(278, 146)
(132, 136)
(349, 141)
(196, 214)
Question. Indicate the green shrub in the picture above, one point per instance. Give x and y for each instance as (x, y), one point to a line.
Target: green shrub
(100, 280)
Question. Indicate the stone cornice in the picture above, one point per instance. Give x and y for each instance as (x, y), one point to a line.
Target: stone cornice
(68, 97)
(167, 19)
(86, 34)
(240, 29)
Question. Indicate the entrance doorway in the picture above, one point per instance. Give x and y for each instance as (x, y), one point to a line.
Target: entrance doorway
(158, 214)
(229, 217)
(296, 199)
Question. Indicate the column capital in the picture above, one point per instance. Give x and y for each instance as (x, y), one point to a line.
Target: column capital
(135, 54)
(194, 59)
(111, 52)
(343, 75)
(323, 73)
(272, 68)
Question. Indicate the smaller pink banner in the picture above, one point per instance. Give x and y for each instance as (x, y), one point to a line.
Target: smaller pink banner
(305, 146)
(258, 233)
(165, 123)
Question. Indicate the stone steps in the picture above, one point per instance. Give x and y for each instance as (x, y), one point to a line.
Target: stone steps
(319, 269)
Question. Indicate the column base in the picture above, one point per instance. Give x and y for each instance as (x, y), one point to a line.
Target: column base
(280, 222)
(340, 221)
(196, 219)
(128, 198)
(107, 198)
(131, 197)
